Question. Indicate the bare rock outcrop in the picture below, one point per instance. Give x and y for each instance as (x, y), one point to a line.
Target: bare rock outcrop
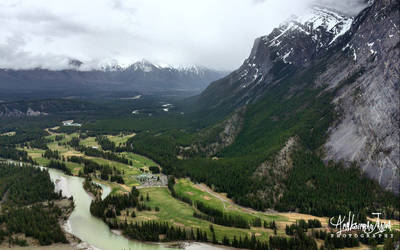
(368, 132)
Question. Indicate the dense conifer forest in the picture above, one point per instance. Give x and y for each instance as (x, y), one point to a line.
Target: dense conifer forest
(28, 206)
(26, 185)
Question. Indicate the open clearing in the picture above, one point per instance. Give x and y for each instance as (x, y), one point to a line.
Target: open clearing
(128, 172)
(186, 188)
(180, 213)
(90, 142)
(121, 138)
(8, 133)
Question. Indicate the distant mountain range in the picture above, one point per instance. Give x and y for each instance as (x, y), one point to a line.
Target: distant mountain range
(143, 76)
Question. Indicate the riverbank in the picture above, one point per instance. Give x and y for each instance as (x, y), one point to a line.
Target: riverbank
(184, 244)
(93, 232)
(84, 231)
(93, 189)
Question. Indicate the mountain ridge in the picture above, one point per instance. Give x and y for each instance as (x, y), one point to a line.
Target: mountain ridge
(141, 76)
(315, 32)
(347, 63)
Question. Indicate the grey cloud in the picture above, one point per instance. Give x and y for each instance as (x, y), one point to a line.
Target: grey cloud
(121, 6)
(11, 53)
(216, 34)
(350, 7)
(51, 23)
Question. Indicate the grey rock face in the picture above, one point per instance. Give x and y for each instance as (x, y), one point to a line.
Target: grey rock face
(276, 171)
(369, 132)
(291, 46)
(362, 57)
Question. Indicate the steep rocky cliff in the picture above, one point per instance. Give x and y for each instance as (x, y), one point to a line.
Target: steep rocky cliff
(353, 60)
(289, 47)
(368, 132)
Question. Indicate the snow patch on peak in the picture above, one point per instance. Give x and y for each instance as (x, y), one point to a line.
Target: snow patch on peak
(287, 55)
(322, 26)
(148, 66)
(344, 27)
(321, 18)
(143, 65)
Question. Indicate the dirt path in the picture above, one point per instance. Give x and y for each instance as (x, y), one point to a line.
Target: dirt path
(54, 128)
(156, 186)
(225, 200)
(293, 217)
(220, 197)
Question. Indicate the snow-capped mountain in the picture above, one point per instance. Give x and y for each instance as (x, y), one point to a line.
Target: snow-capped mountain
(355, 59)
(147, 66)
(297, 41)
(142, 76)
(293, 44)
(319, 29)
(139, 66)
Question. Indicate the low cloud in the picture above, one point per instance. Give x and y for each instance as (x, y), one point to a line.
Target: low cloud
(349, 7)
(217, 34)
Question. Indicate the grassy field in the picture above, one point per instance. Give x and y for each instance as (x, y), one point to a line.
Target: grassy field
(90, 142)
(36, 155)
(8, 133)
(129, 172)
(115, 187)
(120, 139)
(138, 160)
(185, 187)
(181, 214)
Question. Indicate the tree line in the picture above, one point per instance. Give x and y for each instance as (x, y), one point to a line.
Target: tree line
(60, 166)
(112, 205)
(105, 143)
(102, 154)
(36, 221)
(12, 153)
(219, 217)
(91, 168)
(26, 185)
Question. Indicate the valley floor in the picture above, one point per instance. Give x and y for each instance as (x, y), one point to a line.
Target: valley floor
(155, 194)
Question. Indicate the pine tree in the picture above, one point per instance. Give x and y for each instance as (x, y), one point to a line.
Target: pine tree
(192, 237)
(235, 242)
(225, 241)
(198, 235)
(214, 239)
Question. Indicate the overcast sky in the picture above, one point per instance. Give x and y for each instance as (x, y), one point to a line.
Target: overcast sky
(213, 33)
